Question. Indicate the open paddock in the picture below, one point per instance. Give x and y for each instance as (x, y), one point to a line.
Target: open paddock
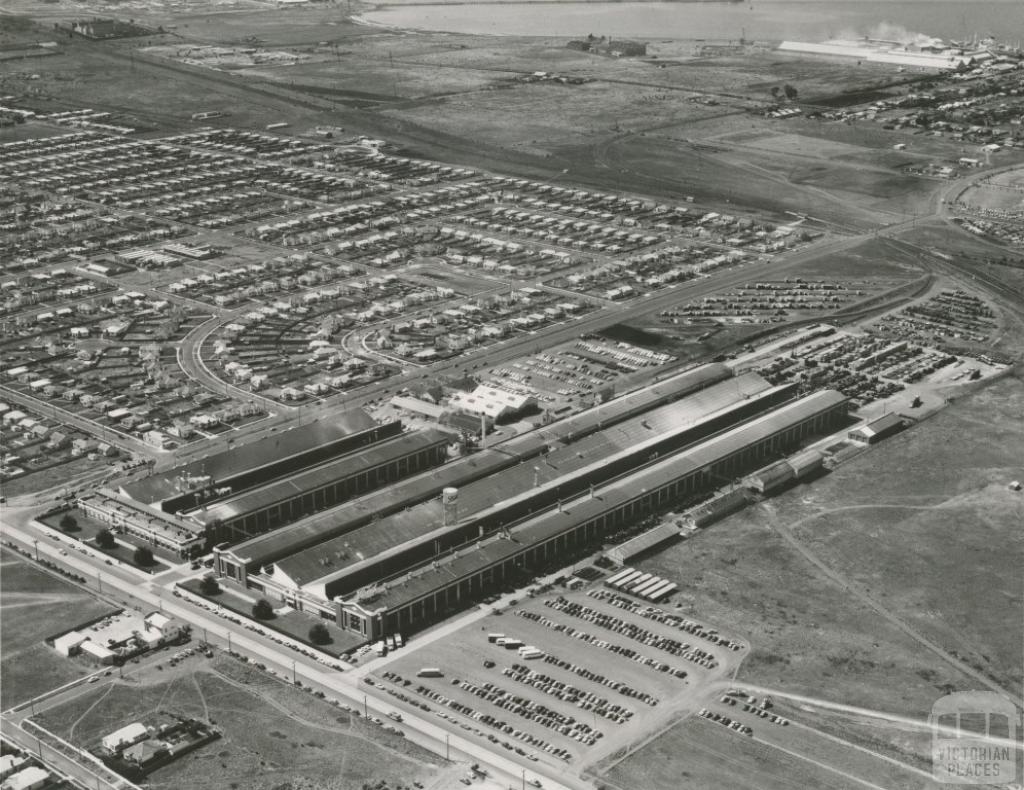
(271, 731)
(700, 752)
(29, 666)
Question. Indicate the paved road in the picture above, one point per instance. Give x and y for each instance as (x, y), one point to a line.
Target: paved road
(418, 728)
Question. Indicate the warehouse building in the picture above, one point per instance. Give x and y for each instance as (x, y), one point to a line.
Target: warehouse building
(283, 501)
(878, 429)
(441, 586)
(254, 553)
(539, 480)
(384, 586)
(257, 463)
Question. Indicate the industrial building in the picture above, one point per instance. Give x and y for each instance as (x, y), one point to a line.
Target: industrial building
(243, 492)
(321, 487)
(559, 490)
(878, 429)
(440, 586)
(237, 561)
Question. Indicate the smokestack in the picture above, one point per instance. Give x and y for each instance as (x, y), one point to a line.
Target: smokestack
(483, 430)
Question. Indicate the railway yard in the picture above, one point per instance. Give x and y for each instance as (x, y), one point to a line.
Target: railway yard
(514, 415)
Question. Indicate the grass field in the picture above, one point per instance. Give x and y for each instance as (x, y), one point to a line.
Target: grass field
(926, 527)
(274, 735)
(27, 665)
(699, 754)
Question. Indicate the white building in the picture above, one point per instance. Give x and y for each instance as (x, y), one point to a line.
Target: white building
(126, 736)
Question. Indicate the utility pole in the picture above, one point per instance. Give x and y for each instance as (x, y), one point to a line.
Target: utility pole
(366, 710)
(293, 670)
(447, 747)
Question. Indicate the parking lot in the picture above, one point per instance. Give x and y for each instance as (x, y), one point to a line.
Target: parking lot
(519, 678)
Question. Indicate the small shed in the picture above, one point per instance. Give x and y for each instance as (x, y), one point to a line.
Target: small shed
(878, 429)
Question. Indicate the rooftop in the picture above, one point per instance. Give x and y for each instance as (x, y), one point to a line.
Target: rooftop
(319, 476)
(426, 580)
(317, 563)
(251, 456)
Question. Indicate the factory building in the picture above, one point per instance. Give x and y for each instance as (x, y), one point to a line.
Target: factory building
(257, 463)
(445, 584)
(236, 562)
(321, 487)
(404, 570)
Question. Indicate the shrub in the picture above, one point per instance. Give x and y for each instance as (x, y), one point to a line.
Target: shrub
(319, 635)
(262, 610)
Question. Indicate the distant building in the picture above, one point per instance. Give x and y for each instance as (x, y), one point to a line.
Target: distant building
(619, 48)
(124, 737)
(27, 779)
(878, 429)
(11, 764)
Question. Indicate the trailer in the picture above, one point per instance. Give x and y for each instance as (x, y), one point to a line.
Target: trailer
(611, 581)
(665, 592)
(430, 672)
(655, 592)
(492, 638)
(647, 586)
(627, 579)
(641, 579)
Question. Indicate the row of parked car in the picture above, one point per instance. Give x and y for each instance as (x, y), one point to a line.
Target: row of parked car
(632, 631)
(585, 700)
(615, 685)
(665, 618)
(590, 639)
(532, 711)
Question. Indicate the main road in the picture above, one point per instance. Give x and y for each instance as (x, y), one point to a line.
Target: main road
(218, 631)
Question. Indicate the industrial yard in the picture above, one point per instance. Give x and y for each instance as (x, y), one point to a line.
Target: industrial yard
(416, 408)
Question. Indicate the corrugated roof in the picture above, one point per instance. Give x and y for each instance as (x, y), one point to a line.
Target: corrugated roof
(247, 457)
(310, 480)
(551, 523)
(296, 537)
(636, 402)
(558, 466)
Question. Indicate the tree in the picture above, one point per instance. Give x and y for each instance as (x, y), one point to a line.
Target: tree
(143, 557)
(776, 91)
(208, 585)
(105, 539)
(319, 635)
(68, 523)
(791, 92)
(262, 610)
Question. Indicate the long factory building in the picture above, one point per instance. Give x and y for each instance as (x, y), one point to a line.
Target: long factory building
(405, 570)
(315, 530)
(274, 481)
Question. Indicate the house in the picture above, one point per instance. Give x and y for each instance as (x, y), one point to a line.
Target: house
(29, 778)
(10, 764)
(124, 737)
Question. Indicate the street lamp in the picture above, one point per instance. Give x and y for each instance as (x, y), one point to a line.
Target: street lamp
(366, 710)
(35, 543)
(293, 671)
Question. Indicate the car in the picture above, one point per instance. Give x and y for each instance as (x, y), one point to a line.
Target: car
(488, 664)
(94, 679)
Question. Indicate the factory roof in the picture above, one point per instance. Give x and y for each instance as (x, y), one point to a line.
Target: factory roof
(308, 532)
(635, 402)
(320, 562)
(251, 456)
(319, 476)
(294, 537)
(408, 588)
